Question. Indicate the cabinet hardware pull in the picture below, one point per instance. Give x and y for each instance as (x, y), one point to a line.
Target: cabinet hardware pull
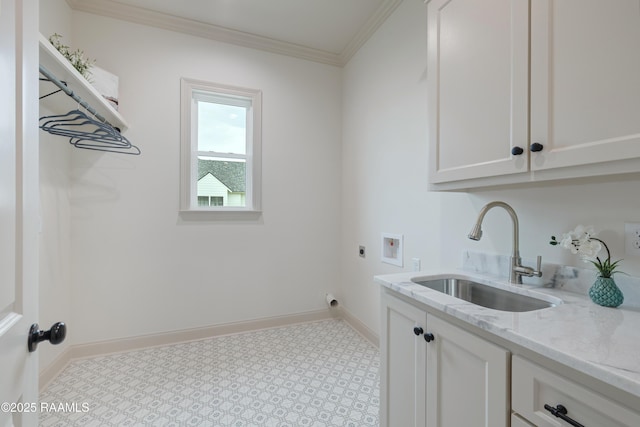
(561, 412)
(418, 330)
(429, 337)
(536, 146)
(516, 151)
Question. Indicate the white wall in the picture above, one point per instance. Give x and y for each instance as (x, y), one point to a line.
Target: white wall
(385, 179)
(55, 211)
(55, 17)
(384, 157)
(137, 267)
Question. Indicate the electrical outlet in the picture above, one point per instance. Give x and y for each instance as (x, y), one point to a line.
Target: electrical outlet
(361, 251)
(632, 239)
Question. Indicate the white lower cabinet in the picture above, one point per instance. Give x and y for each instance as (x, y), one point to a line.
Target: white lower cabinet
(435, 374)
(438, 375)
(402, 359)
(467, 378)
(516, 421)
(538, 394)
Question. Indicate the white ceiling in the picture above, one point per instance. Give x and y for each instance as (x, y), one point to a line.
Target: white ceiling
(328, 31)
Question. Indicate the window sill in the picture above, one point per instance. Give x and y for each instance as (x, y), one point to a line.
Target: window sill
(247, 216)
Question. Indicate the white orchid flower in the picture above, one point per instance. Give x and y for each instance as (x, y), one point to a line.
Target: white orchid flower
(582, 241)
(589, 250)
(584, 233)
(570, 241)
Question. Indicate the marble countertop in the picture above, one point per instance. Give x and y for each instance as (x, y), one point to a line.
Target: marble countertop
(598, 341)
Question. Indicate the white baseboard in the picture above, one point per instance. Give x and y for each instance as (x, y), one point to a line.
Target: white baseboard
(101, 348)
(363, 329)
(54, 368)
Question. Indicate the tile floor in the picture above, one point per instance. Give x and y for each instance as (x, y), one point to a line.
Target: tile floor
(312, 374)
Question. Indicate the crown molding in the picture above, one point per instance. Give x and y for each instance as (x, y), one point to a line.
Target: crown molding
(200, 29)
(377, 19)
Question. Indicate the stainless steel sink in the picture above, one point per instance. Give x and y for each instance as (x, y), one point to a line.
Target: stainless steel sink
(485, 295)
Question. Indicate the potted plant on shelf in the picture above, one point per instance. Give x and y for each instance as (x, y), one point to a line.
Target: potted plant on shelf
(582, 241)
(76, 58)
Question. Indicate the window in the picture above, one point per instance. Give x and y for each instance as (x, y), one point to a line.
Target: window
(220, 148)
(210, 201)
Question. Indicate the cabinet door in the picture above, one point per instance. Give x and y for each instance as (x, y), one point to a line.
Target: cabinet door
(478, 59)
(585, 81)
(402, 359)
(467, 379)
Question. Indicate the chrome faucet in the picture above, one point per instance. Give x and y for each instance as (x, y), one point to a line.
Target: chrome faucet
(517, 269)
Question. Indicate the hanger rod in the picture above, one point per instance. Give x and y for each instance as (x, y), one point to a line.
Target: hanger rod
(53, 79)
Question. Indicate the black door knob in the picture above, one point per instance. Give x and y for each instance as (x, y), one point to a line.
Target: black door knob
(428, 337)
(418, 330)
(536, 146)
(516, 151)
(55, 335)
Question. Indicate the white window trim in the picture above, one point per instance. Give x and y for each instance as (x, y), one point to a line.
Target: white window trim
(188, 150)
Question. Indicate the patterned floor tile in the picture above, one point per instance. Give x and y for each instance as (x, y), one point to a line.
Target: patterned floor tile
(320, 374)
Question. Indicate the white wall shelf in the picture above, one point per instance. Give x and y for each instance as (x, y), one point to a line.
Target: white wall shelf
(60, 103)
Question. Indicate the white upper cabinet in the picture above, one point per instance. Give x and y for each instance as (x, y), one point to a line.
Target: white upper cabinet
(478, 78)
(585, 81)
(575, 80)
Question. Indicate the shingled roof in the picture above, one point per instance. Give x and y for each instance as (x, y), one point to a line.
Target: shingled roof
(231, 174)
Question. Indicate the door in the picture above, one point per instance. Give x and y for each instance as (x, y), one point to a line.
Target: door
(478, 65)
(467, 379)
(18, 210)
(402, 357)
(585, 82)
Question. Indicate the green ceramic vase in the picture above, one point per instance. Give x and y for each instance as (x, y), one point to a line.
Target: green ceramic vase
(604, 292)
